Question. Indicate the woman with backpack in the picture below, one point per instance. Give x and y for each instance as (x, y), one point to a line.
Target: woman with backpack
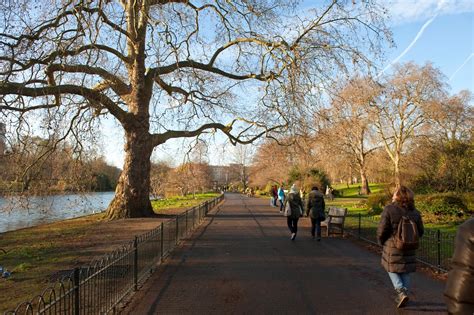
(398, 232)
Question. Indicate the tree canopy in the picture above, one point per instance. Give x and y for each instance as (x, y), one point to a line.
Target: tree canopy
(168, 69)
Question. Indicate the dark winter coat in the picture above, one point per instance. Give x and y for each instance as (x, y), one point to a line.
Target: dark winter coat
(394, 259)
(296, 204)
(315, 206)
(459, 292)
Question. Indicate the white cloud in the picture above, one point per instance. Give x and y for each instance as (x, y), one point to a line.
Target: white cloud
(406, 11)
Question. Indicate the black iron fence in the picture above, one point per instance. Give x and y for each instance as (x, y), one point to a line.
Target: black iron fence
(101, 286)
(436, 247)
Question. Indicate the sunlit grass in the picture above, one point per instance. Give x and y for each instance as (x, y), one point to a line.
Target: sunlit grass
(348, 191)
(188, 201)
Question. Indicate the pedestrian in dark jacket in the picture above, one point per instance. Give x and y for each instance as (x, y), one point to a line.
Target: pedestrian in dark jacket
(315, 210)
(398, 263)
(296, 205)
(459, 292)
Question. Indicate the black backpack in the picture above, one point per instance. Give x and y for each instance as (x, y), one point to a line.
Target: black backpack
(406, 236)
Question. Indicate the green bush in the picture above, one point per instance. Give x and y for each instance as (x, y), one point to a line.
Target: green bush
(376, 203)
(446, 204)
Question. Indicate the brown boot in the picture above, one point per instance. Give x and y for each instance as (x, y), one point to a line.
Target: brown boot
(402, 298)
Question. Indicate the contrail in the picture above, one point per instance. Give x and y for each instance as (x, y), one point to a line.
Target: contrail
(460, 67)
(413, 42)
(440, 6)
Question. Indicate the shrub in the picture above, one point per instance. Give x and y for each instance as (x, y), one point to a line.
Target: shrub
(447, 204)
(376, 202)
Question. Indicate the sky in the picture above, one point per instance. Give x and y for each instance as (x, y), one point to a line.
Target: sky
(436, 31)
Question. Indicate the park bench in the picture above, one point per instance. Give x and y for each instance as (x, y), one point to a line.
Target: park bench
(335, 220)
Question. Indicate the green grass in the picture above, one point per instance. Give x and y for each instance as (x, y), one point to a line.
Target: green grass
(353, 190)
(357, 205)
(188, 201)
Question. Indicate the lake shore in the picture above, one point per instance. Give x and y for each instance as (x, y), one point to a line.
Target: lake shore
(40, 255)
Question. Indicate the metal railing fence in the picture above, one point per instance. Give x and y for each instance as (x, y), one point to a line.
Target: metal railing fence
(436, 247)
(101, 286)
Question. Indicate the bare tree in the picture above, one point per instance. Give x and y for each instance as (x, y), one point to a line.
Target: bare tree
(401, 109)
(269, 164)
(452, 117)
(348, 129)
(242, 158)
(158, 178)
(169, 69)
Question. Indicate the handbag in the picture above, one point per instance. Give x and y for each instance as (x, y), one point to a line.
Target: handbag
(287, 212)
(322, 216)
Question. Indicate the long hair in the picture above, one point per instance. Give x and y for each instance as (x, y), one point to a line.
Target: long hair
(404, 197)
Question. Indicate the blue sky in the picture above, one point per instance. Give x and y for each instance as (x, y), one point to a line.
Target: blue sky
(445, 31)
(437, 31)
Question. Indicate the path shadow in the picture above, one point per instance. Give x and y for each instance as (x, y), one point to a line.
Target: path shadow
(426, 307)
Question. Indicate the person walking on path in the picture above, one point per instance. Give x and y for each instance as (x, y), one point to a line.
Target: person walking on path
(399, 263)
(459, 292)
(272, 196)
(281, 197)
(315, 210)
(293, 201)
(275, 195)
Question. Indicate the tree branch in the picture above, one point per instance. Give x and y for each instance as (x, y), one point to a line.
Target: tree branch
(90, 95)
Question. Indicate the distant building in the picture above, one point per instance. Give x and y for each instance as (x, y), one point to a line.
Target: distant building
(219, 176)
(3, 132)
(223, 176)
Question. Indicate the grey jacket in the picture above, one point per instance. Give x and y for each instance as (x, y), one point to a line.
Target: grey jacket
(296, 204)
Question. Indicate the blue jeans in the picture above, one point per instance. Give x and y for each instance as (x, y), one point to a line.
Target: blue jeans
(400, 280)
(316, 225)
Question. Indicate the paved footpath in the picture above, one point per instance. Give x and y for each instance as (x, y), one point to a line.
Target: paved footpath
(241, 261)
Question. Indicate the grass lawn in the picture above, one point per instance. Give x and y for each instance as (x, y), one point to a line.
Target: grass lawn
(353, 190)
(181, 202)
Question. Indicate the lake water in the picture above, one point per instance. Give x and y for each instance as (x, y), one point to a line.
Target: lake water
(21, 212)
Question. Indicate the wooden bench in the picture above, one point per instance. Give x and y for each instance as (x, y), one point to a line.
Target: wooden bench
(335, 220)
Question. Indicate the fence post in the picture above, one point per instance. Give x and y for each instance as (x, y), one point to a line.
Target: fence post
(177, 228)
(438, 236)
(162, 242)
(360, 218)
(186, 228)
(76, 291)
(135, 263)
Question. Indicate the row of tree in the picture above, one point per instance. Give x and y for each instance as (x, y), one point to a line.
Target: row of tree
(39, 166)
(33, 165)
(404, 127)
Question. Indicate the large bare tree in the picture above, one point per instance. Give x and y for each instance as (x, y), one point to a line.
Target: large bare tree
(452, 118)
(348, 129)
(403, 107)
(166, 69)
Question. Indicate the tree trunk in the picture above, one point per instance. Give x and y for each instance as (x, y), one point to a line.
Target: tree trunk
(398, 180)
(364, 189)
(132, 195)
